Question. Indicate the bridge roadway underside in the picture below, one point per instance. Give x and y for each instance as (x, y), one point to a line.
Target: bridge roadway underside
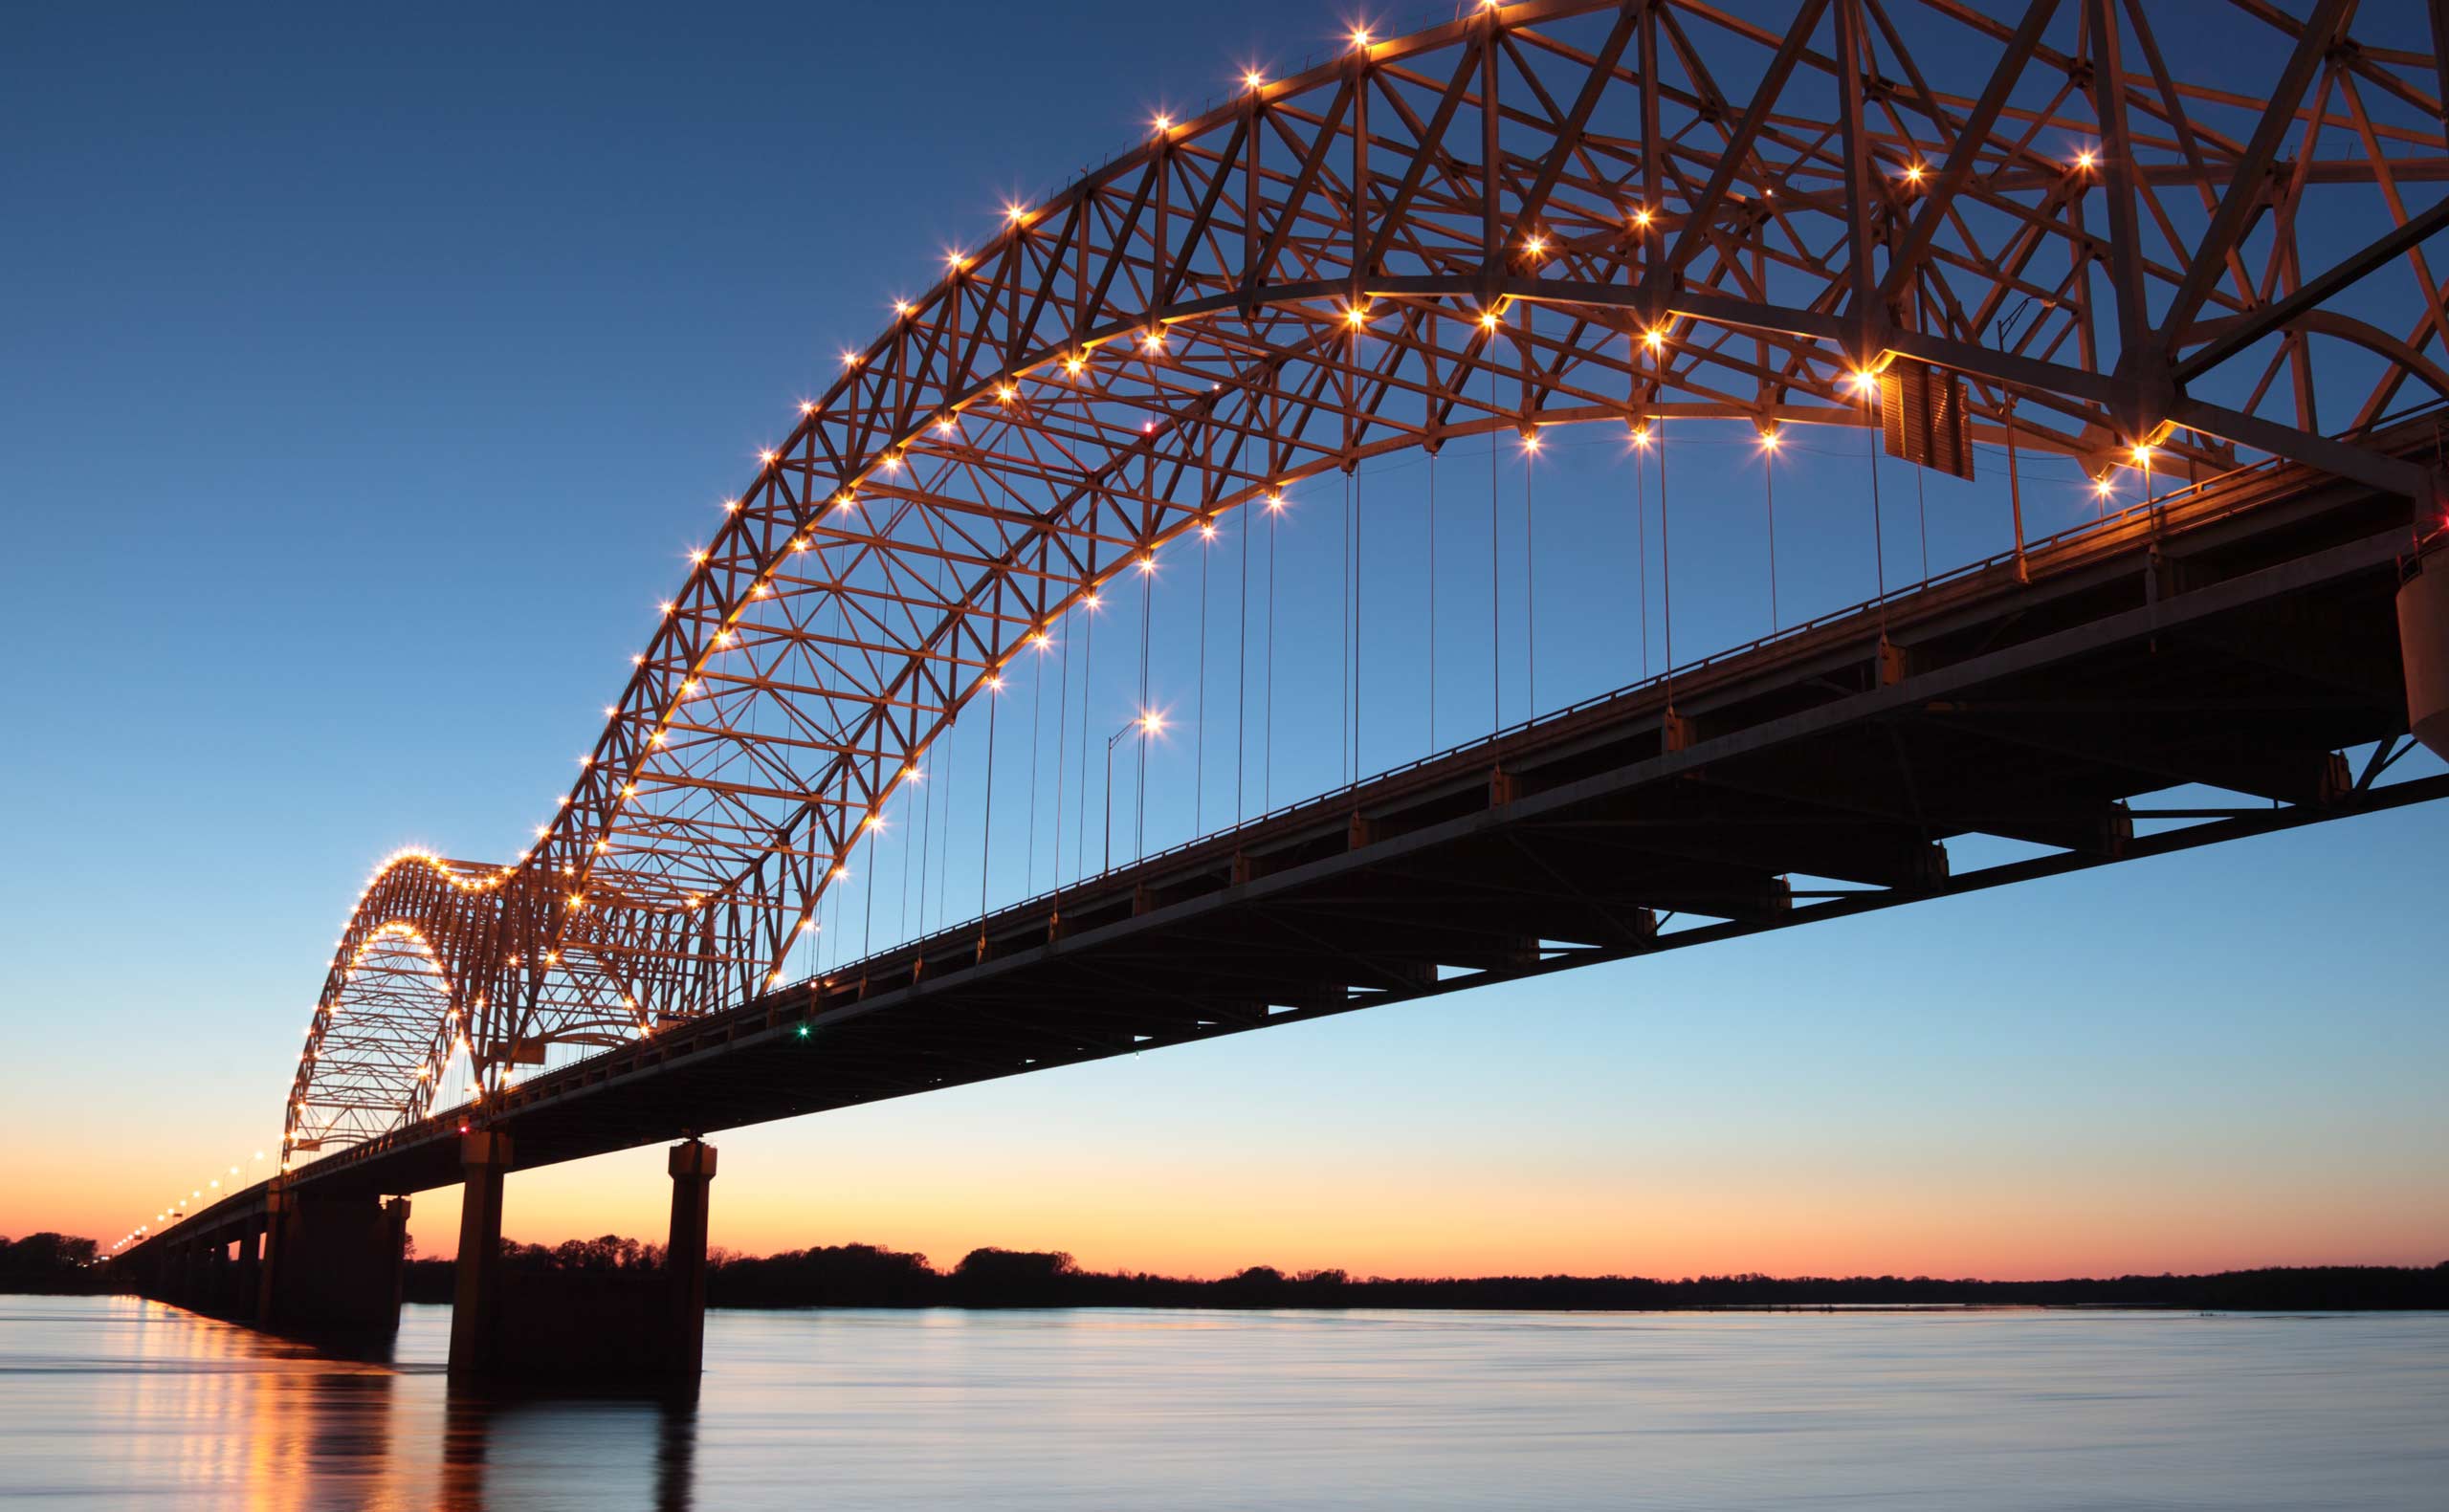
(2242, 642)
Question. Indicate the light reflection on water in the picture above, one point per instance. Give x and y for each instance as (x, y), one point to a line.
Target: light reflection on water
(109, 1401)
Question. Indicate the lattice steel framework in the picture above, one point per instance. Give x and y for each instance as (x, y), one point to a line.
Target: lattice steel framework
(1537, 215)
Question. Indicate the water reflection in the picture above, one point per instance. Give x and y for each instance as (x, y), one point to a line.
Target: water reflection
(112, 1402)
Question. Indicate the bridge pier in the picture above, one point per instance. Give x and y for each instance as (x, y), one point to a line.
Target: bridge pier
(476, 1296)
(332, 1265)
(600, 1329)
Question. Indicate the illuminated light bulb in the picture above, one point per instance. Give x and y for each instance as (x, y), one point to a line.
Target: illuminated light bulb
(911, 773)
(944, 427)
(759, 592)
(1913, 174)
(2142, 456)
(996, 683)
(1007, 393)
(733, 505)
(1642, 217)
(1535, 246)
(1154, 341)
(800, 544)
(876, 822)
(892, 463)
(807, 925)
(656, 738)
(2086, 158)
(1015, 213)
(1641, 435)
(1207, 527)
(1275, 502)
(1488, 319)
(2100, 487)
(667, 608)
(1360, 36)
(808, 407)
(1073, 363)
(697, 557)
(1152, 721)
(1356, 316)
(639, 658)
(628, 789)
(1253, 78)
(1652, 338)
(767, 457)
(1530, 441)
(956, 261)
(839, 872)
(1148, 563)
(850, 358)
(1091, 601)
(1768, 440)
(1164, 123)
(901, 307)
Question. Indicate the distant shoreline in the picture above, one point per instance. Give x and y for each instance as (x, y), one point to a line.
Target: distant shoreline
(869, 1276)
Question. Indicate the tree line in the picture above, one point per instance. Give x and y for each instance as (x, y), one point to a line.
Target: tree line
(872, 1276)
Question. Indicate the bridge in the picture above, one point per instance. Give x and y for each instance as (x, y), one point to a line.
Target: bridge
(1944, 238)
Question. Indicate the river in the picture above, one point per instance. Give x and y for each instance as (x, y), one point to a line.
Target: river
(114, 1402)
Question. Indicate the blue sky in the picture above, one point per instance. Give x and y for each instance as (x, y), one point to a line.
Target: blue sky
(366, 378)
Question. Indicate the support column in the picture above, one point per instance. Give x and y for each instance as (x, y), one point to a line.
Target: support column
(693, 1180)
(333, 1264)
(475, 1299)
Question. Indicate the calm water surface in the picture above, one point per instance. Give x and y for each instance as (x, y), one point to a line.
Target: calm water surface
(107, 1401)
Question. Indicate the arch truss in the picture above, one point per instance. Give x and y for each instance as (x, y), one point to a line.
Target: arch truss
(2110, 235)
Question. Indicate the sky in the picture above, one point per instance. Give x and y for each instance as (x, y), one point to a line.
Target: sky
(365, 378)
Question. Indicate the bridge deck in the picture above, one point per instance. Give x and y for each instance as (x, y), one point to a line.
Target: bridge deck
(2239, 637)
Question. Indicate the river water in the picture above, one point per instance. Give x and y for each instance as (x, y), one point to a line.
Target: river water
(110, 1401)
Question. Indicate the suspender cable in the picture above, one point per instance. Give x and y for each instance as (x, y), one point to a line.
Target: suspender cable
(1343, 641)
(1529, 576)
(909, 835)
(1355, 625)
(1199, 757)
(1241, 673)
(1769, 487)
(1665, 565)
(944, 871)
(1061, 729)
(1139, 796)
(1878, 541)
(1037, 706)
(987, 812)
(1088, 695)
(1432, 596)
(1640, 536)
(1922, 512)
(868, 909)
(1497, 631)
(1267, 750)
(926, 842)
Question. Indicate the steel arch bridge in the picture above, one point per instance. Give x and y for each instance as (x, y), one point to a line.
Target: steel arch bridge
(2065, 227)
